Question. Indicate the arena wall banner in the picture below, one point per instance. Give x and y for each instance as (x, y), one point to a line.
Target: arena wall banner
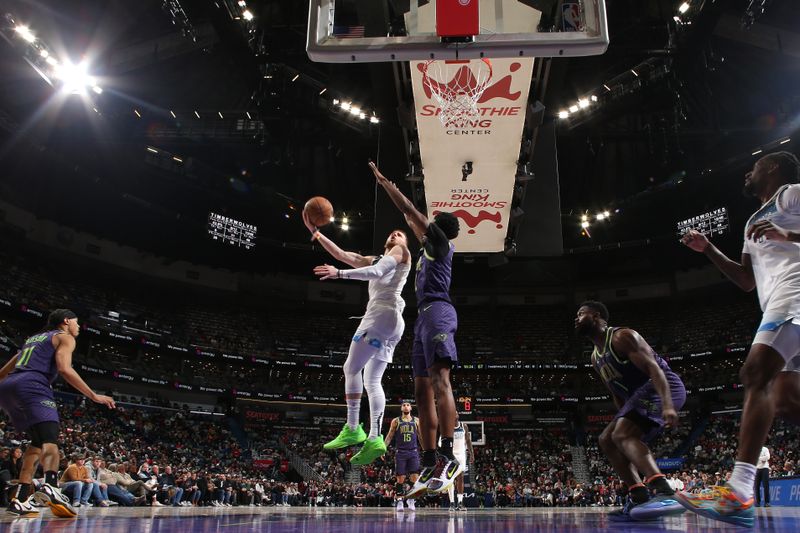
(785, 491)
(491, 142)
(671, 463)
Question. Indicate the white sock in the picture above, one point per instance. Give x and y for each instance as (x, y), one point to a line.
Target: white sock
(353, 384)
(460, 499)
(450, 493)
(353, 410)
(373, 373)
(743, 479)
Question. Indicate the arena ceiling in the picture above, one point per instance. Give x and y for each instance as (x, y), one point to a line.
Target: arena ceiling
(711, 93)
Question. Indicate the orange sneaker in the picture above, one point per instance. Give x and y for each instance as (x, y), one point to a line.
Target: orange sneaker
(720, 504)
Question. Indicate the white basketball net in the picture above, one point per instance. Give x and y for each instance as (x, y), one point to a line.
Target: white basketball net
(457, 86)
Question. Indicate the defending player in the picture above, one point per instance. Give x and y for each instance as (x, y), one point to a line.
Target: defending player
(373, 345)
(771, 373)
(404, 429)
(434, 350)
(27, 397)
(462, 445)
(647, 393)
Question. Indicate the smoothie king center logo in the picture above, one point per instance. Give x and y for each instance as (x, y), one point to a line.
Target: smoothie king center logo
(492, 96)
(481, 199)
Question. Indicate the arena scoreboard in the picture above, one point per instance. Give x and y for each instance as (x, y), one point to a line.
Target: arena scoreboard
(712, 223)
(231, 231)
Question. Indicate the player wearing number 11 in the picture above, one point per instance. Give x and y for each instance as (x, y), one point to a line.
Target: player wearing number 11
(27, 397)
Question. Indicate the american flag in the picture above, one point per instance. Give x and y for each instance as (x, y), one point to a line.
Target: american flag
(348, 32)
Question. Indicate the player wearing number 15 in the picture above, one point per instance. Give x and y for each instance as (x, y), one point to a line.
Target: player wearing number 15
(405, 431)
(27, 397)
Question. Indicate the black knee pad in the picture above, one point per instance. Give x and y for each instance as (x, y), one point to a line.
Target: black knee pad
(43, 433)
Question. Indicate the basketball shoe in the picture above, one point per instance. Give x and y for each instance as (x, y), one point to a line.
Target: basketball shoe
(656, 507)
(420, 487)
(347, 437)
(722, 504)
(445, 474)
(53, 498)
(372, 449)
(23, 509)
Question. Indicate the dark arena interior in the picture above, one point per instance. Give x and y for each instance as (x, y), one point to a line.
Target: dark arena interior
(180, 353)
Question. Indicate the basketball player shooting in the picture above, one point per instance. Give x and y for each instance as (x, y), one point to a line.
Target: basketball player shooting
(434, 350)
(376, 337)
(647, 394)
(770, 263)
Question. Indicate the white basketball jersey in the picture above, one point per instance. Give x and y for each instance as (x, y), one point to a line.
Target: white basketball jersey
(459, 441)
(776, 265)
(387, 291)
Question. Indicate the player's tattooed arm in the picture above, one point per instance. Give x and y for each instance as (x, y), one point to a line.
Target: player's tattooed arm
(392, 429)
(636, 349)
(9, 366)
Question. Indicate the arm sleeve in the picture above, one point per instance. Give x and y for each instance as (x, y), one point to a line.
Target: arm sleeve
(386, 264)
(436, 242)
(790, 200)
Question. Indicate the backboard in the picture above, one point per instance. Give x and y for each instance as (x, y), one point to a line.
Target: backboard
(405, 30)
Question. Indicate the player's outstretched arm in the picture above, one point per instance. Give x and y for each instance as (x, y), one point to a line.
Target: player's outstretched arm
(739, 273)
(636, 349)
(353, 259)
(416, 220)
(66, 345)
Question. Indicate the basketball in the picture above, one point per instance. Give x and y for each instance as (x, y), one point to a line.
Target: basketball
(319, 211)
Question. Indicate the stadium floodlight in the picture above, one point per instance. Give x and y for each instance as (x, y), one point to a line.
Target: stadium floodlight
(374, 120)
(25, 32)
(74, 78)
(345, 227)
(563, 114)
(683, 8)
(583, 103)
(247, 15)
(573, 108)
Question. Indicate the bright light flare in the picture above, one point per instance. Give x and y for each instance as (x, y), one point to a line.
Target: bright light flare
(74, 78)
(26, 33)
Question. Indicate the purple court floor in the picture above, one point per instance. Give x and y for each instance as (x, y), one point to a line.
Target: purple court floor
(339, 520)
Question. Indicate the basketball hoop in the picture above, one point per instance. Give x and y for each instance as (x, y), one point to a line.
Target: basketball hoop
(457, 86)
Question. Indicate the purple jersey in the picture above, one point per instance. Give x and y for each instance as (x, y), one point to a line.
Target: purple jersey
(405, 437)
(38, 355)
(619, 373)
(432, 282)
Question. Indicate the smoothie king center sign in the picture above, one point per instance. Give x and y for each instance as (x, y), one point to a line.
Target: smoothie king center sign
(490, 141)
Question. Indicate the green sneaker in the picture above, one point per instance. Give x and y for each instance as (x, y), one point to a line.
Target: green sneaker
(347, 437)
(372, 449)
